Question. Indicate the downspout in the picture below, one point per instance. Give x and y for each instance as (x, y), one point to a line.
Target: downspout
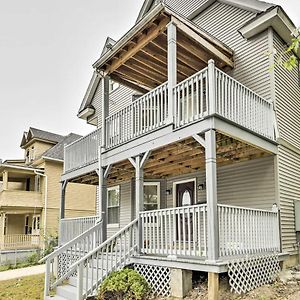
(45, 202)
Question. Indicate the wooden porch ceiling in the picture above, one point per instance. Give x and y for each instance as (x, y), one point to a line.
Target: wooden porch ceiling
(183, 157)
(141, 62)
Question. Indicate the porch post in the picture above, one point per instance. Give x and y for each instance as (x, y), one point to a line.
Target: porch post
(172, 68)
(5, 180)
(104, 109)
(62, 207)
(211, 194)
(63, 199)
(103, 201)
(211, 87)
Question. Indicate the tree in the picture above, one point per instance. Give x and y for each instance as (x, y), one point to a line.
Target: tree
(293, 60)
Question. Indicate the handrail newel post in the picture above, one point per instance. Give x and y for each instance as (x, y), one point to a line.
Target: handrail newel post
(172, 69)
(47, 278)
(211, 87)
(80, 281)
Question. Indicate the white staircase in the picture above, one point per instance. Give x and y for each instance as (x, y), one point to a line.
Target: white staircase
(81, 272)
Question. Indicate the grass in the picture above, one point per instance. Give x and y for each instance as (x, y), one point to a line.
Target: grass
(26, 288)
(17, 266)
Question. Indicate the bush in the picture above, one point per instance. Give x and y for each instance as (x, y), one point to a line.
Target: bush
(126, 284)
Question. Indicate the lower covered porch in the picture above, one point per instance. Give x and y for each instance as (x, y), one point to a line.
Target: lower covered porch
(182, 208)
(20, 230)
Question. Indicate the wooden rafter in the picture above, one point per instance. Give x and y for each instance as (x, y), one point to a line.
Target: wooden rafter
(141, 42)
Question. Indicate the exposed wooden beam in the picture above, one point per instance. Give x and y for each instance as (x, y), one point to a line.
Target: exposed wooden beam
(129, 84)
(142, 41)
(203, 42)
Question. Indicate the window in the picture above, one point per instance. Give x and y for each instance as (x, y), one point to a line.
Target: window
(113, 205)
(32, 154)
(151, 195)
(113, 86)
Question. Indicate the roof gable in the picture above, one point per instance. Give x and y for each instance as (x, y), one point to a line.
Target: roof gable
(251, 5)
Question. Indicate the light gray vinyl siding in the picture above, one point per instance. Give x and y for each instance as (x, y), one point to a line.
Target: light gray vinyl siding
(246, 184)
(289, 191)
(250, 56)
(287, 89)
(118, 99)
(125, 208)
(185, 8)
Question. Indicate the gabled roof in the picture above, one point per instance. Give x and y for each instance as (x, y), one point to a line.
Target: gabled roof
(108, 45)
(57, 151)
(34, 133)
(251, 5)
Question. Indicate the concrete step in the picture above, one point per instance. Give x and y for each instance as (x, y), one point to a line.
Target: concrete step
(66, 291)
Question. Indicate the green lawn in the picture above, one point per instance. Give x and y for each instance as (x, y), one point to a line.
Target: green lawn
(26, 288)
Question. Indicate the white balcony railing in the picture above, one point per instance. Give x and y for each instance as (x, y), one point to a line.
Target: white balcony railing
(82, 152)
(147, 113)
(209, 92)
(72, 227)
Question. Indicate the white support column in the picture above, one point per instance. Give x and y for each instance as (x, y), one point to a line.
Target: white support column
(211, 194)
(5, 181)
(211, 87)
(138, 162)
(103, 201)
(172, 68)
(62, 206)
(104, 109)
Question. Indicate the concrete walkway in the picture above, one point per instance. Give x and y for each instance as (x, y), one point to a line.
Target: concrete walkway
(17, 273)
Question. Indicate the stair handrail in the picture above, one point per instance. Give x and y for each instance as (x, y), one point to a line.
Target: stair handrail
(49, 259)
(80, 263)
(61, 249)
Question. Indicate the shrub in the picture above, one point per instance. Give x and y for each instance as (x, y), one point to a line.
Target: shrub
(126, 284)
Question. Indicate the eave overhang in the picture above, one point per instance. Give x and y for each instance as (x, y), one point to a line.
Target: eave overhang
(87, 112)
(139, 58)
(275, 18)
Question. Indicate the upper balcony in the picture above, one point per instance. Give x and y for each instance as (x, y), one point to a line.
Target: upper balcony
(231, 101)
(181, 72)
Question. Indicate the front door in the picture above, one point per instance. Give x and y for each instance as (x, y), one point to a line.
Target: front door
(185, 196)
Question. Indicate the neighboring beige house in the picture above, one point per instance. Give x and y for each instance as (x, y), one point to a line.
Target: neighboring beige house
(30, 192)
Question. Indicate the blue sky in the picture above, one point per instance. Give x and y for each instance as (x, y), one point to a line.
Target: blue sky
(47, 48)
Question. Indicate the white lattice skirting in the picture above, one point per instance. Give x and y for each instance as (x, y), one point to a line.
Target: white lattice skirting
(248, 273)
(157, 277)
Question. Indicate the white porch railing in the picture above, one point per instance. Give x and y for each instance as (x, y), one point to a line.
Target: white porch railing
(147, 113)
(58, 262)
(179, 231)
(241, 105)
(72, 227)
(82, 152)
(20, 241)
(191, 98)
(247, 231)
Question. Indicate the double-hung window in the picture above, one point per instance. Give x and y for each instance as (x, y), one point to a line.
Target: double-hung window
(113, 205)
(151, 195)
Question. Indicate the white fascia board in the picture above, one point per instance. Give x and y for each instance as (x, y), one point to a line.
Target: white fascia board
(275, 18)
(20, 168)
(87, 112)
(52, 159)
(121, 42)
(250, 5)
(145, 7)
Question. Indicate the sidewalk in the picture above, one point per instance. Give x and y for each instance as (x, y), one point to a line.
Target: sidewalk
(17, 273)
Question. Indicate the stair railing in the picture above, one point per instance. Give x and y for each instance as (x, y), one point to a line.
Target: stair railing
(111, 255)
(58, 262)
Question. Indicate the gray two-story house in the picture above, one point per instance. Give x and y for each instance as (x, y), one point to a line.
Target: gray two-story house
(196, 151)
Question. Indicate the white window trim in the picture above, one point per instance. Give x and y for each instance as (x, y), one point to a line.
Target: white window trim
(111, 91)
(157, 183)
(114, 225)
